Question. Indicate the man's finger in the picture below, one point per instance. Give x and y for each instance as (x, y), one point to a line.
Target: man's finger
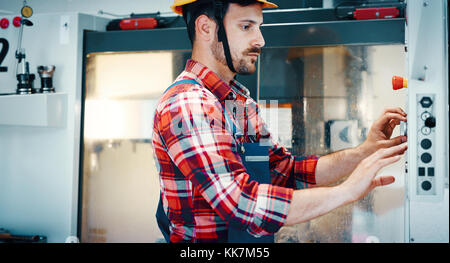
(393, 123)
(395, 110)
(387, 117)
(394, 150)
(383, 180)
(389, 128)
(377, 164)
(394, 141)
(384, 153)
(386, 161)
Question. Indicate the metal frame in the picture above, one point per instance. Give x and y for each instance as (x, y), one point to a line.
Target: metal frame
(81, 152)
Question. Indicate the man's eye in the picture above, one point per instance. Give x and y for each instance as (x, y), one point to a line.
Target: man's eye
(245, 27)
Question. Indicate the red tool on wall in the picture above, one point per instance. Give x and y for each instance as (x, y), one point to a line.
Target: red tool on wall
(376, 13)
(369, 10)
(140, 21)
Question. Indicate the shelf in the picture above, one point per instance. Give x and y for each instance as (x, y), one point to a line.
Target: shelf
(281, 28)
(41, 110)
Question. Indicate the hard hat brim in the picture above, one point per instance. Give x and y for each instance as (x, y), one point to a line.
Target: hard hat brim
(177, 7)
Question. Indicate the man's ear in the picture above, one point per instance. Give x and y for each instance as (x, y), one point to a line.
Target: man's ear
(205, 28)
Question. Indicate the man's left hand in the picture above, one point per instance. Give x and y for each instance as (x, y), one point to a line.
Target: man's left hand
(381, 131)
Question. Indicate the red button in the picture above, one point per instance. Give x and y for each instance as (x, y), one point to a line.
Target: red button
(399, 83)
(4, 23)
(16, 21)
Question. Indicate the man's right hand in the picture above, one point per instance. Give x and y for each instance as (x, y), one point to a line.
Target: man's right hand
(363, 179)
(310, 203)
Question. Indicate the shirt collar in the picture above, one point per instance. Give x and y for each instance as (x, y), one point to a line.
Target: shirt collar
(214, 83)
(239, 88)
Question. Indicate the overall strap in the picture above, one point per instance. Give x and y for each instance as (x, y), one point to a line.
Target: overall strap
(236, 132)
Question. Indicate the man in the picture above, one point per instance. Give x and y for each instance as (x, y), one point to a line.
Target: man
(209, 189)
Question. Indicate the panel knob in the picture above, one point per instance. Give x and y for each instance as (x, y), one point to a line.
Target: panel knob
(430, 122)
(426, 102)
(426, 144)
(426, 185)
(426, 157)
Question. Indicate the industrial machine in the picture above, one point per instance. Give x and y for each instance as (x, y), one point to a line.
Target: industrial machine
(78, 162)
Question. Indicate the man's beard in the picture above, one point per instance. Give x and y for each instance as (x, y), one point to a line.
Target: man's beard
(242, 67)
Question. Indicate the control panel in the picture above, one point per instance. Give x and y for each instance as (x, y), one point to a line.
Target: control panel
(426, 201)
(426, 138)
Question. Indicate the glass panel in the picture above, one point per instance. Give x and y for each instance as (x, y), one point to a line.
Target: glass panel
(120, 186)
(333, 95)
(319, 100)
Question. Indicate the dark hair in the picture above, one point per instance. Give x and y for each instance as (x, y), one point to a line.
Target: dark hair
(205, 7)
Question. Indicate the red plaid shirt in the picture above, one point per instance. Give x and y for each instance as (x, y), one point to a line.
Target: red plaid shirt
(211, 187)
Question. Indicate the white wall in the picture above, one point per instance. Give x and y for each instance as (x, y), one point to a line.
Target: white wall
(89, 6)
(39, 165)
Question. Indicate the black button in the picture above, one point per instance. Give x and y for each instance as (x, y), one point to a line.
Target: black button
(426, 157)
(430, 122)
(426, 185)
(421, 171)
(426, 102)
(430, 171)
(426, 144)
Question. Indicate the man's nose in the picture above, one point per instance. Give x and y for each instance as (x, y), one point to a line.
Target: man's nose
(259, 39)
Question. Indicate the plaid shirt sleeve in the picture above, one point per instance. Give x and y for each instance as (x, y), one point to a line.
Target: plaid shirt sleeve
(192, 128)
(287, 170)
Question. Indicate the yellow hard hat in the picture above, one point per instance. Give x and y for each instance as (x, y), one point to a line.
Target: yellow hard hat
(178, 4)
